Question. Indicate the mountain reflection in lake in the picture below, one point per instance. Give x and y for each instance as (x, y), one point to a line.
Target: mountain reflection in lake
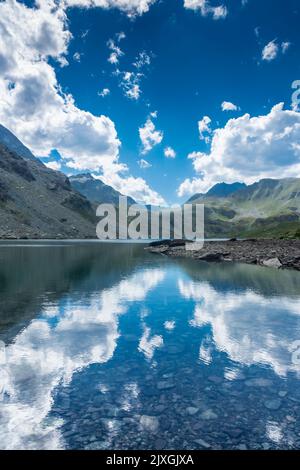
(108, 347)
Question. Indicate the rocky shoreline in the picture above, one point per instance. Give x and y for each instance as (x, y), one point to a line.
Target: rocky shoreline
(279, 254)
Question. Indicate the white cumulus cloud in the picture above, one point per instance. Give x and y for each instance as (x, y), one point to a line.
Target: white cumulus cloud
(189, 187)
(130, 84)
(143, 59)
(273, 49)
(228, 106)
(149, 136)
(270, 51)
(144, 164)
(169, 152)
(33, 104)
(285, 46)
(204, 128)
(205, 8)
(121, 35)
(132, 8)
(137, 188)
(248, 149)
(116, 52)
(54, 165)
(77, 56)
(104, 92)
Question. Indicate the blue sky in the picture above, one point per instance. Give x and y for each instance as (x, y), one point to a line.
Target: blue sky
(174, 64)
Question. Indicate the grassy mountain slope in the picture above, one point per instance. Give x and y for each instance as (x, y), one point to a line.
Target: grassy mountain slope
(269, 208)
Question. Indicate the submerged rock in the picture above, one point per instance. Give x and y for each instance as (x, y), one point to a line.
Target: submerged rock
(149, 423)
(97, 446)
(191, 410)
(273, 405)
(202, 443)
(215, 379)
(266, 446)
(160, 444)
(234, 433)
(241, 447)
(258, 382)
(209, 414)
(165, 384)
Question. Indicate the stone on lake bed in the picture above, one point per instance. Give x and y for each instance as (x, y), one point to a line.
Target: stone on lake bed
(258, 382)
(209, 414)
(109, 411)
(165, 384)
(149, 423)
(266, 446)
(241, 447)
(97, 446)
(191, 410)
(234, 433)
(160, 408)
(215, 379)
(290, 419)
(273, 405)
(202, 443)
(240, 408)
(160, 444)
(168, 376)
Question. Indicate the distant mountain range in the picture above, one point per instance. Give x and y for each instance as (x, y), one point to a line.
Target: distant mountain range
(37, 202)
(268, 208)
(219, 190)
(95, 190)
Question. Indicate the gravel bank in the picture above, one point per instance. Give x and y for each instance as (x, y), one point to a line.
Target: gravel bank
(280, 254)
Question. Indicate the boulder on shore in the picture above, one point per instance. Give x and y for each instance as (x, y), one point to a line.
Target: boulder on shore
(272, 263)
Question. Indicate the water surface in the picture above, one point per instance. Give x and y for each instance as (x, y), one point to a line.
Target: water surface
(109, 347)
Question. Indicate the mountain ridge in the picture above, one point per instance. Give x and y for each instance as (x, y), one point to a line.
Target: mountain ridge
(257, 209)
(36, 201)
(219, 190)
(9, 140)
(95, 190)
